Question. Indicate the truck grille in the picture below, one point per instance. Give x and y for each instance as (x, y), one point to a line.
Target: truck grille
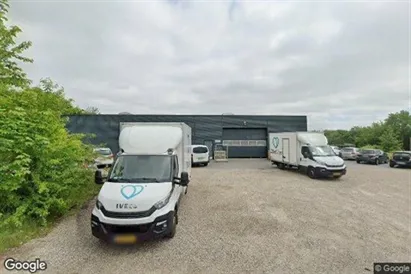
(335, 165)
(127, 215)
(126, 228)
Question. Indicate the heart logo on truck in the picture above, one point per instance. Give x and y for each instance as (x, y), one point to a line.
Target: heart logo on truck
(131, 191)
(276, 141)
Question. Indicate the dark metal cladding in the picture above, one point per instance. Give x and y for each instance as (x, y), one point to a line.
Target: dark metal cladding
(206, 129)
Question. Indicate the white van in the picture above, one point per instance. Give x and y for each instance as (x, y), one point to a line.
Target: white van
(308, 152)
(140, 197)
(200, 155)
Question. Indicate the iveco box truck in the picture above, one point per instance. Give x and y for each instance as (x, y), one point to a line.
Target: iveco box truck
(309, 152)
(140, 196)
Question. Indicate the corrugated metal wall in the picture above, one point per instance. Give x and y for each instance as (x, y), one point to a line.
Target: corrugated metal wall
(204, 127)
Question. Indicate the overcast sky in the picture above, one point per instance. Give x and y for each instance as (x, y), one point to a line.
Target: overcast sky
(341, 64)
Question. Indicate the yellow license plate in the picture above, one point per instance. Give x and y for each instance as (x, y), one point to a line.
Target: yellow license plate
(125, 239)
(337, 174)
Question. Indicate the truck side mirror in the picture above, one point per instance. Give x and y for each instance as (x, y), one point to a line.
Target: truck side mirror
(184, 179)
(99, 179)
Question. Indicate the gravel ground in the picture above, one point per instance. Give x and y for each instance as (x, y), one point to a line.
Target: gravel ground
(246, 216)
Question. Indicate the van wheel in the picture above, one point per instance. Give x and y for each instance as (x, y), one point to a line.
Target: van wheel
(206, 164)
(358, 161)
(377, 162)
(311, 172)
(392, 165)
(280, 166)
(173, 227)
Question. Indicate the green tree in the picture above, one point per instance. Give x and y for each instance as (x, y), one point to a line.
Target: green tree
(339, 137)
(391, 134)
(54, 98)
(400, 122)
(389, 140)
(92, 110)
(11, 52)
(42, 171)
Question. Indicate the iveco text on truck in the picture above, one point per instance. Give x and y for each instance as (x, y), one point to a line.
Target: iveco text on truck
(309, 152)
(140, 197)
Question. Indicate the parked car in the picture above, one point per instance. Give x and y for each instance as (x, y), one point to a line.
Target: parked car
(372, 156)
(105, 157)
(200, 155)
(401, 159)
(336, 150)
(349, 153)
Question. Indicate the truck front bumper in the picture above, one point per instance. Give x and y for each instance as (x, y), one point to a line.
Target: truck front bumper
(161, 226)
(328, 173)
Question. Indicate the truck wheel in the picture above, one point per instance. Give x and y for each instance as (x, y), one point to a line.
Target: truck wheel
(377, 162)
(358, 161)
(392, 165)
(311, 172)
(173, 227)
(280, 166)
(206, 164)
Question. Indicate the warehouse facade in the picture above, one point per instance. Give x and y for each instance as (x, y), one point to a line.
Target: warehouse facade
(244, 136)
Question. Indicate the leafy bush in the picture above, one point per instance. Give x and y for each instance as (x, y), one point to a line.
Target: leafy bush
(42, 173)
(41, 164)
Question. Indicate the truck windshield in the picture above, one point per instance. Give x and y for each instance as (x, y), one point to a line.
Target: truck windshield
(142, 168)
(319, 151)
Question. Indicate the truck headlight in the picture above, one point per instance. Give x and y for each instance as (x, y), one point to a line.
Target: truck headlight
(98, 204)
(162, 203)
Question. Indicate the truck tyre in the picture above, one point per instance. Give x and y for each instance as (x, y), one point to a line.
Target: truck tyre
(280, 166)
(206, 164)
(173, 227)
(311, 172)
(377, 162)
(358, 161)
(392, 165)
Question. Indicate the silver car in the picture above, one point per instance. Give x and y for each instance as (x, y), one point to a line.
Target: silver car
(105, 157)
(336, 150)
(349, 153)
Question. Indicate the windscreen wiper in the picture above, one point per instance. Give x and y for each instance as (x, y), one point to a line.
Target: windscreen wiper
(120, 180)
(145, 179)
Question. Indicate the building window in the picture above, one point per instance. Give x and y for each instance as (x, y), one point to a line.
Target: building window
(245, 143)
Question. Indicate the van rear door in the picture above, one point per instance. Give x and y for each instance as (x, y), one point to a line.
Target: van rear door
(200, 154)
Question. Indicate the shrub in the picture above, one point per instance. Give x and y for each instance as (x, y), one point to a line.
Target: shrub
(42, 169)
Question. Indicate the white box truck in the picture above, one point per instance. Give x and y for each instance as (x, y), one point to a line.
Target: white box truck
(309, 152)
(140, 197)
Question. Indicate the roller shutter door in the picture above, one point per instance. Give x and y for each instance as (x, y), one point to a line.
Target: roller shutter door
(245, 142)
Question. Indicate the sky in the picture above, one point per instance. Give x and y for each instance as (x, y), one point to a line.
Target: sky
(340, 63)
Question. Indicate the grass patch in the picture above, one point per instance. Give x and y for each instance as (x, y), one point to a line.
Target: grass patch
(13, 237)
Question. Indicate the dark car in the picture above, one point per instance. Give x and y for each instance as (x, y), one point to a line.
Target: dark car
(401, 159)
(372, 156)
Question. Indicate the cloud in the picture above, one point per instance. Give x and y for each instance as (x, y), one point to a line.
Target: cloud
(342, 64)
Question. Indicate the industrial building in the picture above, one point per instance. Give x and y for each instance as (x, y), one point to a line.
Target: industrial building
(244, 136)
